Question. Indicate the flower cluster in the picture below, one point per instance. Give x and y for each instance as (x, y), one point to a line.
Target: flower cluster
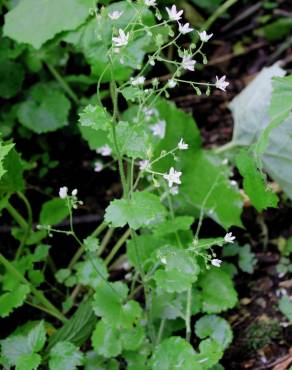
(72, 199)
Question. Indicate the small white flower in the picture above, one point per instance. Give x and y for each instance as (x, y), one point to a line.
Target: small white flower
(137, 80)
(188, 63)
(204, 37)
(163, 260)
(174, 14)
(98, 166)
(63, 192)
(229, 238)
(104, 150)
(173, 177)
(233, 183)
(221, 83)
(115, 15)
(215, 262)
(150, 2)
(171, 83)
(184, 29)
(182, 145)
(122, 39)
(159, 129)
(143, 165)
(152, 62)
(74, 192)
(225, 161)
(174, 190)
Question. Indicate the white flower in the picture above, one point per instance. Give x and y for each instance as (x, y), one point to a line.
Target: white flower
(233, 183)
(159, 129)
(184, 29)
(115, 15)
(174, 14)
(171, 83)
(173, 177)
(174, 190)
(204, 37)
(225, 161)
(182, 145)
(229, 238)
(216, 262)
(143, 165)
(63, 192)
(188, 63)
(122, 39)
(150, 2)
(137, 80)
(163, 260)
(221, 83)
(98, 166)
(104, 150)
(74, 192)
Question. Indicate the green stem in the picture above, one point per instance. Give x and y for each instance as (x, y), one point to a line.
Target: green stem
(226, 147)
(39, 295)
(117, 246)
(63, 83)
(29, 225)
(188, 313)
(81, 250)
(160, 331)
(217, 14)
(17, 216)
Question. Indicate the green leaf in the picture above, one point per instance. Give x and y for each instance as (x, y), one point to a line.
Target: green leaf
(218, 293)
(108, 304)
(285, 306)
(133, 338)
(4, 150)
(16, 346)
(216, 328)
(91, 244)
(78, 329)
(28, 362)
(277, 30)
(11, 300)
(133, 140)
(143, 210)
(91, 272)
(105, 340)
(11, 78)
(281, 101)
(174, 353)
(54, 211)
(210, 353)
(247, 259)
(180, 270)
(95, 117)
(46, 109)
(65, 356)
(174, 225)
(205, 181)
(94, 138)
(132, 93)
(36, 21)
(254, 182)
(41, 252)
(12, 180)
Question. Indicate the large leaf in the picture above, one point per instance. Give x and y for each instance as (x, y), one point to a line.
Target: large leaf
(46, 109)
(174, 353)
(78, 329)
(36, 21)
(143, 209)
(218, 293)
(65, 356)
(54, 211)
(250, 107)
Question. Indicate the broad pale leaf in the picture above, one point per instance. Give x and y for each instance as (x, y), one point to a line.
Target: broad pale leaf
(36, 21)
(174, 353)
(218, 293)
(95, 117)
(29, 361)
(143, 210)
(46, 110)
(65, 356)
(91, 272)
(216, 328)
(105, 340)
